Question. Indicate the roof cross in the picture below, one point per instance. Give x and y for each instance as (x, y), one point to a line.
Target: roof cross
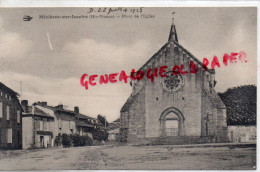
(173, 17)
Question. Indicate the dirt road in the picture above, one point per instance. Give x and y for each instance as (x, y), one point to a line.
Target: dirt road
(126, 157)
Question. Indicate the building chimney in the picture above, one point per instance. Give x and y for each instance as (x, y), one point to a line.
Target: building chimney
(44, 104)
(60, 106)
(24, 104)
(76, 109)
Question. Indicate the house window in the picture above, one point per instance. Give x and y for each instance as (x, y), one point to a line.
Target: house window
(41, 125)
(1, 110)
(7, 113)
(6, 96)
(71, 125)
(10, 98)
(18, 117)
(47, 126)
(9, 135)
(59, 123)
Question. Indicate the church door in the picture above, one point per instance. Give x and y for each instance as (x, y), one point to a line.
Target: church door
(171, 124)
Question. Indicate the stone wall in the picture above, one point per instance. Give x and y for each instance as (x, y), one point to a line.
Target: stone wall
(137, 120)
(222, 125)
(28, 140)
(186, 100)
(209, 112)
(31, 139)
(242, 134)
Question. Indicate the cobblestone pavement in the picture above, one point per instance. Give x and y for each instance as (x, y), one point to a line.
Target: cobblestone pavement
(110, 157)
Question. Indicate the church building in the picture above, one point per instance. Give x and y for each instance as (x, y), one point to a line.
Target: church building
(180, 108)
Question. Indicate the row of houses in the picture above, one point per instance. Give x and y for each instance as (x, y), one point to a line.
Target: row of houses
(37, 125)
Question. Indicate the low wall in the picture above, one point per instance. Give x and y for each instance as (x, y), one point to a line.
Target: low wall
(241, 134)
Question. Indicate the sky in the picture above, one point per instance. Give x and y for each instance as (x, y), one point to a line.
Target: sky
(48, 56)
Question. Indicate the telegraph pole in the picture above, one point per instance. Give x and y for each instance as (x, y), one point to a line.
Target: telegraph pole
(21, 88)
(105, 122)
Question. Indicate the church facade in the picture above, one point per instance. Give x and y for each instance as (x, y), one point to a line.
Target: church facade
(181, 106)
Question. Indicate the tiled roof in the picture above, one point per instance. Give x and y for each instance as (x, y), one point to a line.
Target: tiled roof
(9, 90)
(37, 112)
(84, 124)
(113, 125)
(83, 116)
(89, 120)
(77, 115)
(117, 120)
(57, 109)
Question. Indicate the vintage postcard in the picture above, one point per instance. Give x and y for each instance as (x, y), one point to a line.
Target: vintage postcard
(128, 88)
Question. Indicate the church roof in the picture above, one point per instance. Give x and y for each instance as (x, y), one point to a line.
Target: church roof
(117, 120)
(173, 39)
(129, 102)
(215, 99)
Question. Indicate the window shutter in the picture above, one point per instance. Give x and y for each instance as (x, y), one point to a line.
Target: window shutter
(18, 117)
(9, 135)
(44, 125)
(48, 125)
(1, 110)
(71, 125)
(7, 113)
(41, 125)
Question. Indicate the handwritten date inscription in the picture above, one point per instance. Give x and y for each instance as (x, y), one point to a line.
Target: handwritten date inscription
(109, 10)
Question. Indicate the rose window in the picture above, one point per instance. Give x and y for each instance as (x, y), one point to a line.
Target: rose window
(172, 82)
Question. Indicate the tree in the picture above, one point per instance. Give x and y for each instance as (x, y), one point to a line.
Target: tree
(102, 120)
(241, 105)
(100, 135)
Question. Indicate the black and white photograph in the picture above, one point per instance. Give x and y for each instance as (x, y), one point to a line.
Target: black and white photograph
(128, 88)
